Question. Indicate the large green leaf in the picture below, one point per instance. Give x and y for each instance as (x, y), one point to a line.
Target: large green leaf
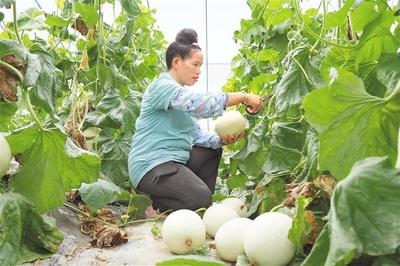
(310, 157)
(286, 147)
(97, 195)
(351, 123)
(40, 72)
(294, 84)
(388, 70)
(31, 19)
(359, 19)
(24, 235)
(51, 165)
(7, 110)
(114, 154)
(115, 111)
(377, 39)
(44, 88)
(338, 18)
(356, 225)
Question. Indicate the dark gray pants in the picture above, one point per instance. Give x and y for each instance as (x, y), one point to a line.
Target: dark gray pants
(175, 186)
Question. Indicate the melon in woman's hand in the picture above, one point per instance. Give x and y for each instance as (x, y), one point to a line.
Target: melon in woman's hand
(230, 123)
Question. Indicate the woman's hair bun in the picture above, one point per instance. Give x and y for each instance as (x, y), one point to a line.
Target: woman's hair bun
(186, 36)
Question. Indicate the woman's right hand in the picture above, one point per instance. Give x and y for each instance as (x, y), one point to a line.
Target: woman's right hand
(254, 102)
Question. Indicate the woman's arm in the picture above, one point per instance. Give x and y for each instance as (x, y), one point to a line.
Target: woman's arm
(210, 104)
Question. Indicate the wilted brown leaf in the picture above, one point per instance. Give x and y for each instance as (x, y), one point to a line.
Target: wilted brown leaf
(326, 183)
(296, 190)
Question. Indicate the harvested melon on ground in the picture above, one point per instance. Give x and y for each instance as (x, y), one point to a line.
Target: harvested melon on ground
(236, 204)
(183, 231)
(266, 240)
(215, 216)
(229, 238)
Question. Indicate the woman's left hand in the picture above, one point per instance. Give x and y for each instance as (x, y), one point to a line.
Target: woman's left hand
(229, 139)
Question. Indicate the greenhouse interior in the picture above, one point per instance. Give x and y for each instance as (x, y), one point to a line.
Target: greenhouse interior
(200, 132)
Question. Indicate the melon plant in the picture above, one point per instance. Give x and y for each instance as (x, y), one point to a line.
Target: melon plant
(266, 240)
(230, 123)
(236, 204)
(183, 231)
(215, 216)
(5, 155)
(229, 238)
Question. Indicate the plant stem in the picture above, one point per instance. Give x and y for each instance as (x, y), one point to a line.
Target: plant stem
(158, 217)
(322, 27)
(14, 7)
(398, 151)
(26, 99)
(12, 70)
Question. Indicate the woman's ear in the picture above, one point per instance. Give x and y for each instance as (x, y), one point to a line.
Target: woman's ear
(176, 62)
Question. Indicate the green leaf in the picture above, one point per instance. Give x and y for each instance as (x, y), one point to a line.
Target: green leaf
(253, 164)
(24, 235)
(269, 196)
(41, 74)
(388, 70)
(294, 85)
(279, 16)
(114, 111)
(52, 163)
(377, 39)
(310, 156)
(114, 154)
(188, 262)
(31, 19)
(56, 21)
(44, 88)
(300, 227)
(236, 181)
(359, 19)
(286, 146)
(130, 7)
(88, 12)
(320, 249)
(269, 55)
(338, 18)
(254, 140)
(339, 58)
(6, 3)
(140, 202)
(1, 16)
(347, 118)
(7, 111)
(97, 195)
(359, 226)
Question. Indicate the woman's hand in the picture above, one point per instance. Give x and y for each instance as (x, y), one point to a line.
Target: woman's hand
(229, 139)
(253, 102)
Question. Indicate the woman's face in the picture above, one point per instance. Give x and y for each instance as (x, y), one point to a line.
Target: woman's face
(188, 69)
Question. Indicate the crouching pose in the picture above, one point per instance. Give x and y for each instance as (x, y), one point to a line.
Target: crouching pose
(172, 159)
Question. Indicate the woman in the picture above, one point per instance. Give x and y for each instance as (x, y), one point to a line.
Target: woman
(172, 159)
